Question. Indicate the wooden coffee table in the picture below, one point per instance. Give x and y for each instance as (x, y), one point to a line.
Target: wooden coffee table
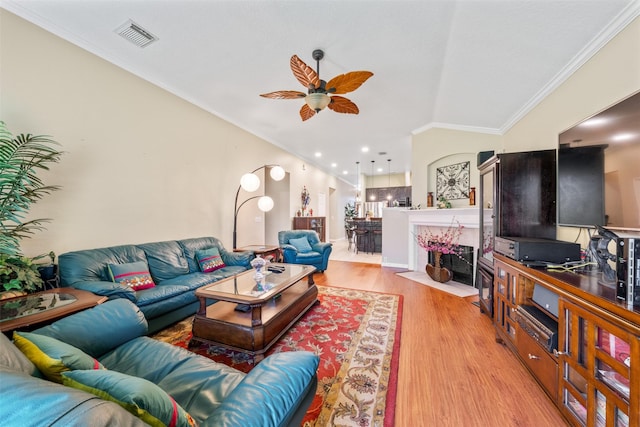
(41, 308)
(273, 307)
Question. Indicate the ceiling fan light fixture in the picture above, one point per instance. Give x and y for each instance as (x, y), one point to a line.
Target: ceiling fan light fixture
(317, 101)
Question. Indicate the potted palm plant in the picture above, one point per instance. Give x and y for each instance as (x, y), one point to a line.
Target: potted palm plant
(21, 157)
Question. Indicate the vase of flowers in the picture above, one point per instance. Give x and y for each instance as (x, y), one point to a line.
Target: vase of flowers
(258, 263)
(445, 242)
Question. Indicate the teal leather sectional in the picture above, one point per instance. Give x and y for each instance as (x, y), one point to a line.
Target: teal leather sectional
(276, 392)
(173, 267)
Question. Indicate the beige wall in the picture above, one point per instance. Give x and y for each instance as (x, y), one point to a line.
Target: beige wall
(141, 164)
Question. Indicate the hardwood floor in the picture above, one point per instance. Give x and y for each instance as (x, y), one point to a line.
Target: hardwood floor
(452, 372)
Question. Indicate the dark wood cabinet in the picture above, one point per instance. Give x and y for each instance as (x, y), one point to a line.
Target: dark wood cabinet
(315, 223)
(591, 375)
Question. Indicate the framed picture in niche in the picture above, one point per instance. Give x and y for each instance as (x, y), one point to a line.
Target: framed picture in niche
(452, 181)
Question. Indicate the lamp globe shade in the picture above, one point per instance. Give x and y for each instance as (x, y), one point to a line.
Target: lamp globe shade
(249, 182)
(265, 203)
(277, 173)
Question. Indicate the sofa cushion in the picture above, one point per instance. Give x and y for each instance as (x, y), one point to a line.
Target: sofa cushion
(166, 306)
(13, 359)
(142, 398)
(52, 357)
(166, 259)
(92, 330)
(182, 374)
(209, 260)
(159, 293)
(193, 281)
(308, 257)
(35, 402)
(134, 274)
(301, 244)
(92, 264)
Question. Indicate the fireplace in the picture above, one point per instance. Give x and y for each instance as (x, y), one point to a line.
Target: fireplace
(438, 220)
(461, 266)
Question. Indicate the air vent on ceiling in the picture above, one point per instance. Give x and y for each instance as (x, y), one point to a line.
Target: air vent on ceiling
(136, 34)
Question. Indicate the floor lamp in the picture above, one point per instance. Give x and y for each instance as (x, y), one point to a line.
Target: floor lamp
(250, 183)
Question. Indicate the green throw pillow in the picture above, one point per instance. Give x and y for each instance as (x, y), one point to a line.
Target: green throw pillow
(209, 260)
(51, 356)
(301, 244)
(142, 398)
(134, 275)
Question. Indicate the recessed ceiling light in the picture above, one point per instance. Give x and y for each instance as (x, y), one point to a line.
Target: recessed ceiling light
(365, 149)
(318, 154)
(379, 169)
(345, 172)
(334, 165)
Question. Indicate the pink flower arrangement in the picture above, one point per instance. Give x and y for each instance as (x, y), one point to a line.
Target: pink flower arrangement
(445, 242)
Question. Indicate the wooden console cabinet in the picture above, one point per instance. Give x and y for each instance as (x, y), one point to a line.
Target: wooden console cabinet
(315, 223)
(594, 375)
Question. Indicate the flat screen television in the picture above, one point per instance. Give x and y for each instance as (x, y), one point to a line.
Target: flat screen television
(599, 169)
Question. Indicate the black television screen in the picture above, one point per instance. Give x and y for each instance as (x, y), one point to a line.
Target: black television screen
(614, 135)
(581, 186)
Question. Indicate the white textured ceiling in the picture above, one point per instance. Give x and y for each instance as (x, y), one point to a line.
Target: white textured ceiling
(476, 64)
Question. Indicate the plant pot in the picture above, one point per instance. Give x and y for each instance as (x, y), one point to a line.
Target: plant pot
(437, 273)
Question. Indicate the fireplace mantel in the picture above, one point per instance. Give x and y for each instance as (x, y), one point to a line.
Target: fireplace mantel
(467, 217)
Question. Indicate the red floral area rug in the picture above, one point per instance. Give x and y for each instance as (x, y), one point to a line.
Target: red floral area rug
(356, 334)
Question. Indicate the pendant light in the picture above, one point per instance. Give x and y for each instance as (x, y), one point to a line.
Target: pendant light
(357, 182)
(389, 181)
(372, 197)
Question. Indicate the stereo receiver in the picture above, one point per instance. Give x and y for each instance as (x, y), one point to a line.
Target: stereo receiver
(538, 326)
(529, 249)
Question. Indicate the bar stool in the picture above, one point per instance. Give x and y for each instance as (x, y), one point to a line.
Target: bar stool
(361, 237)
(376, 231)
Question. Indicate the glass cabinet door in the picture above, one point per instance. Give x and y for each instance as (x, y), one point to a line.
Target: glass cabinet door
(595, 369)
(487, 208)
(505, 295)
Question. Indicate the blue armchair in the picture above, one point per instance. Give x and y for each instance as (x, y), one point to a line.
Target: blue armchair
(304, 247)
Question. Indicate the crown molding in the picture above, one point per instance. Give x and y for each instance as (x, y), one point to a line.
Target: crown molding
(624, 18)
(451, 126)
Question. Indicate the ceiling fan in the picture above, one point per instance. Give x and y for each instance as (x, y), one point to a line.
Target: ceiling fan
(321, 94)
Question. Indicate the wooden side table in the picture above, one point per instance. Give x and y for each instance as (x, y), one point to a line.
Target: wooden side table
(265, 251)
(32, 311)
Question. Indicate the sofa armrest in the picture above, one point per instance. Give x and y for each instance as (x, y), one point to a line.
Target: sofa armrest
(289, 248)
(111, 290)
(100, 329)
(242, 258)
(321, 246)
(271, 394)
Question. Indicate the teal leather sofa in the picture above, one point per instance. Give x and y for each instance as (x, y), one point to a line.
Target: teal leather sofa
(316, 254)
(173, 267)
(277, 391)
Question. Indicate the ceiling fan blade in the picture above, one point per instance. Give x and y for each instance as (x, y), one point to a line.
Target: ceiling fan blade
(341, 104)
(305, 74)
(284, 94)
(306, 112)
(345, 83)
